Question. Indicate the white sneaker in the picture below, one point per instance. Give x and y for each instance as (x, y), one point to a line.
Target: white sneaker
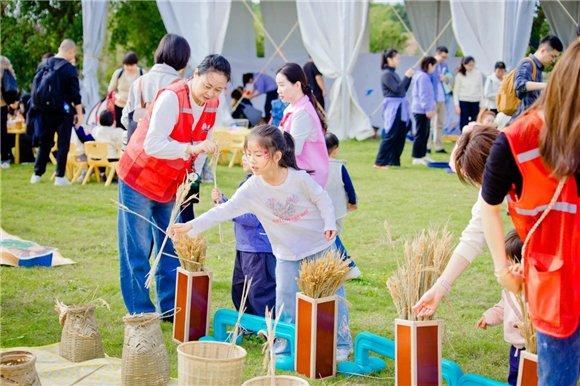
(342, 354)
(34, 179)
(61, 181)
(428, 159)
(420, 161)
(5, 165)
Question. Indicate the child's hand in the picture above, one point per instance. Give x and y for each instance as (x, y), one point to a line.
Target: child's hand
(178, 229)
(330, 234)
(351, 207)
(216, 195)
(512, 280)
(481, 323)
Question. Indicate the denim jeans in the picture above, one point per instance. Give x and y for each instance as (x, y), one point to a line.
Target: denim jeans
(137, 239)
(558, 359)
(286, 289)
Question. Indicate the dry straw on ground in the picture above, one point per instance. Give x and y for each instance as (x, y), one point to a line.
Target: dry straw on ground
(425, 257)
(191, 252)
(324, 276)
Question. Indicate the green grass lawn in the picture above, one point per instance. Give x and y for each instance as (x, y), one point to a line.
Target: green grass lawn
(81, 222)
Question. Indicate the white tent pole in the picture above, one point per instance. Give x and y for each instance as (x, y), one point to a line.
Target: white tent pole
(266, 33)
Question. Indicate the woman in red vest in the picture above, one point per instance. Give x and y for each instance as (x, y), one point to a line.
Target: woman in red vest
(157, 159)
(536, 163)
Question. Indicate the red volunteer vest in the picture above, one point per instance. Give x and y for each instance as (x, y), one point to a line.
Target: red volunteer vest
(155, 178)
(552, 261)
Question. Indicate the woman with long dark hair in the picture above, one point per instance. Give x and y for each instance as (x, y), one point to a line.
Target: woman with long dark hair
(468, 91)
(396, 119)
(423, 105)
(304, 121)
(536, 162)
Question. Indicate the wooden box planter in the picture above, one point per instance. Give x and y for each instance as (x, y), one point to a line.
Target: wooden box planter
(418, 353)
(192, 300)
(528, 369)
(316, 329)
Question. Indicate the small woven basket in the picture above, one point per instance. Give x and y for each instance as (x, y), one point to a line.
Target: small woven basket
(209, 363)
(17, 368)
(145, 360)
(277, 380)
(80, 340)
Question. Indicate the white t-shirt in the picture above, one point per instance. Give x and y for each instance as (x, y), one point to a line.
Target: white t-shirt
(113, 136)
(294, 214)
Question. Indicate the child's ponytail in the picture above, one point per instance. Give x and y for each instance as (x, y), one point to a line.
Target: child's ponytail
(273, 139)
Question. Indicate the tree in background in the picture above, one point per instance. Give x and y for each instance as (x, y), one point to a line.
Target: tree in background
(386, 30)
(31, 28)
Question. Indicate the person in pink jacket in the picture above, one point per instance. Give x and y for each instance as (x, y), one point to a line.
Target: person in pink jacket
(304, 120)
(508, 312)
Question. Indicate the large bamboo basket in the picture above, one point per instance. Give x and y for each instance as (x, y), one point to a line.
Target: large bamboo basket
(145, 360)
(277, 380)
(80, 340)
(17, 368)
(210, 363)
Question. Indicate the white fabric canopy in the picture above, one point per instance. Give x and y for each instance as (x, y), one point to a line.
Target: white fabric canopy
(563, 17)
(429, 20)
(279, 18)
(240, 40)
(333, 33)
(489, 33)
(94, 28)
(202, 23)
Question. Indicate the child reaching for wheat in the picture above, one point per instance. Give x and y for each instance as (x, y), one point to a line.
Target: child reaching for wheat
(297, 215)
(508, 312)
(254, 258)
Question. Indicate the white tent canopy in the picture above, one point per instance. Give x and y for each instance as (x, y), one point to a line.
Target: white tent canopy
(335, 34)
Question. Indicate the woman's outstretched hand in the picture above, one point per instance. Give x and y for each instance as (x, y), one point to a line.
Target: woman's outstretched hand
(427, 305)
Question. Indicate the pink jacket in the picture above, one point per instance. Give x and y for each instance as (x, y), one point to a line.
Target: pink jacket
(507, 311)
(314, 155)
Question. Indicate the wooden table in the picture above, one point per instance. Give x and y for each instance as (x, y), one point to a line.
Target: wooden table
(16, 127)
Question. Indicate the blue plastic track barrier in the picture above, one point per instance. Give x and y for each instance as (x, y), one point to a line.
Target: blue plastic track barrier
(225, 318)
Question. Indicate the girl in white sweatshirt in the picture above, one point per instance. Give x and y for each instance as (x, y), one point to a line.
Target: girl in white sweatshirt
(296, 213)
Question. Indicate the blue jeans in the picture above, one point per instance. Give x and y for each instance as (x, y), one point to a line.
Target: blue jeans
(286, 289)
(558, 359)
(137, 239)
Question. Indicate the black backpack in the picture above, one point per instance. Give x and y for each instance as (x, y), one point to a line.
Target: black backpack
(9, 87)
(46, 93)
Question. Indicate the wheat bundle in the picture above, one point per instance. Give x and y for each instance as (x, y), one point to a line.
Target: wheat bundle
(526, 327)
(424, 259)
(324, 276)
(191, 252)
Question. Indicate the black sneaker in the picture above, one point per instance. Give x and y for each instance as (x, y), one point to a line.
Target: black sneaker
(441, 151)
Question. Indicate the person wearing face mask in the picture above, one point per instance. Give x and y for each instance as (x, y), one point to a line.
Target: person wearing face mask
(304, 120)
(158, 156)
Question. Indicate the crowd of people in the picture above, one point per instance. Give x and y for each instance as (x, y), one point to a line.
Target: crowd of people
(289, 206)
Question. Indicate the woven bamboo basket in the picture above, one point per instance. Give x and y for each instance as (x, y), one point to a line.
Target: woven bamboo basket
(17, 368)
(209, 363)
(277, 380)
(145, 360)
(80, 340)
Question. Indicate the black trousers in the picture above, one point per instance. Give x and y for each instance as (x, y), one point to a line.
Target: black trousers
(422, 137)
(270, 96)
(393, 143)
(6, 139)
(118, 115)
(469, 112)
(49, 124)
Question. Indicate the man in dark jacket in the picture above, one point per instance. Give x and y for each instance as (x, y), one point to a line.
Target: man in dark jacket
(58, 119)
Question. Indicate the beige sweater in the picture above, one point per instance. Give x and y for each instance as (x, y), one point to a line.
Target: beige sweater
(121, 85)
(468, 87)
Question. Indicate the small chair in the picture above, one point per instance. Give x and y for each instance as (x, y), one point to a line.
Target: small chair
(97, 157)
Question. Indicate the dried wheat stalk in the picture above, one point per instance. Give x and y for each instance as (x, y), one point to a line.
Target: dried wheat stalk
(424, 259)
(526, 327)
(191, 252)
(269, 361)
(324, 276)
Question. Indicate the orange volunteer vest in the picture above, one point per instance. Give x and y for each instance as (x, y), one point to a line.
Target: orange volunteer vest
(156, 178)
(551, 264)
